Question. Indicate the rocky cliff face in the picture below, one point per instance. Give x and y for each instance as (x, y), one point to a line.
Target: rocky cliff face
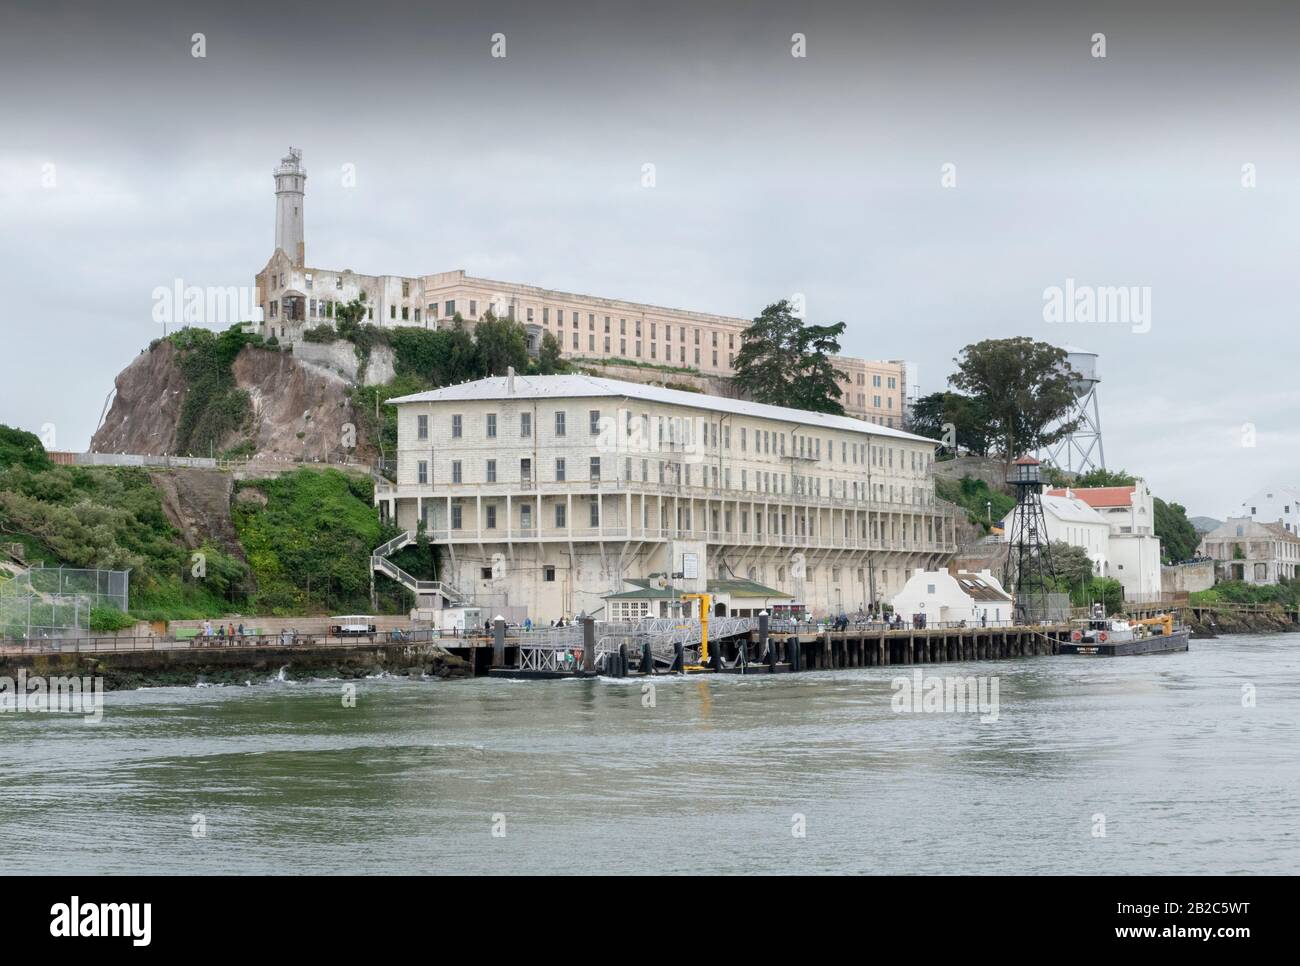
(147, 407)
(300, 410)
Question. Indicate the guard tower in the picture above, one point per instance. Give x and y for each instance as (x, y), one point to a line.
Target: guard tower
(290, 185)
(1080, 450)
(1029, 573)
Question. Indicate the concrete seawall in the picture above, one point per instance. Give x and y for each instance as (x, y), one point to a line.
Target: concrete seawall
(236, 665)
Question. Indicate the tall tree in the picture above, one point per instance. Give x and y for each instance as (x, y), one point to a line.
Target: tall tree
(784, 362)
(501, 343)
(1072, 564)
(940, 413)
(1178, 536)
(1024, 389)
(550, 361)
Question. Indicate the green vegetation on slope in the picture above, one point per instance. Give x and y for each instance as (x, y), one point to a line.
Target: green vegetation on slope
(973, 495)
(214, 406)
(1286, 594)
(112, 518)
(309, 547)
(21, 448)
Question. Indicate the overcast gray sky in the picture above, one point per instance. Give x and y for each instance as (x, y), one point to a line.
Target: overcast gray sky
(774, 175)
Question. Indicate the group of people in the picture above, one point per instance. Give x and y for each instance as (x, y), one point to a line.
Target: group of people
(223, 632)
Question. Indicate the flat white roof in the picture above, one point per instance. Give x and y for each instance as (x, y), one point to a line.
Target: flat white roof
(579, 386)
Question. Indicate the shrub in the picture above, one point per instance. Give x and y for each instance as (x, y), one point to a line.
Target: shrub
(109, 620)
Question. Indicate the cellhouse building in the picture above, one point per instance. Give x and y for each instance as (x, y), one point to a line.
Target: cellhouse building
(295, 297)
(550, 494)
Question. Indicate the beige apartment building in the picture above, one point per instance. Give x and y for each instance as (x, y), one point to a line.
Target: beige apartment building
(295, 297)
(548, 494)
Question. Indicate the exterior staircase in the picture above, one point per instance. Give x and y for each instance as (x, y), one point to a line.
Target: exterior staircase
(379, 563)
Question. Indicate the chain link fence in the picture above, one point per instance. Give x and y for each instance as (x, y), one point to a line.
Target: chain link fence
(55, 602)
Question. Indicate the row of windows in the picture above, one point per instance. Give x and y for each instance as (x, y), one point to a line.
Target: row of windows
(684, 474)
(776, 523)
(687, 431)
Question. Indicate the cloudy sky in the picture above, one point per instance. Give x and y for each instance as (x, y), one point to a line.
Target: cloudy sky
(126, 162)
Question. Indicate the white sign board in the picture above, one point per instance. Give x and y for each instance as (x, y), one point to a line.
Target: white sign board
(690, 566)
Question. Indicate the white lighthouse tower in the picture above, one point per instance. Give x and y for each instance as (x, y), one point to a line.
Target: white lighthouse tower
(290, 182)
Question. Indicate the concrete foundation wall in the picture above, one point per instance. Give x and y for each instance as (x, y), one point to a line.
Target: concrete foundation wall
(1186, 578)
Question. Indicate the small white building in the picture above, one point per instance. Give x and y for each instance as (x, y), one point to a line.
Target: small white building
(944, 597)
(1274, 504)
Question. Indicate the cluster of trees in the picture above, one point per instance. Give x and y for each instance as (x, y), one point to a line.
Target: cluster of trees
(446, 356)
(1011, 397)
(1076, 576)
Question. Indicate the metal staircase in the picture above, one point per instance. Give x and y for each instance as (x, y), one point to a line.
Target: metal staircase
(380, 563)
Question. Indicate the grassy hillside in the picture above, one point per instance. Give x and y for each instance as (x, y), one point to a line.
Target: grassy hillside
(309, 546)
(112, 518)
(973, 496)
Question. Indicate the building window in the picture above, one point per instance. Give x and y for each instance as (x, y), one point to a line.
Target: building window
(455, 471)
(526, 516)
(559, 423)
(559, 518)
(473, 308)
(455, 516)
(491, 426)
(559, 470)
(595, 512)
(525, 471)
(490, 473)
(421, 427)
(455, 427)
(491, 522)
(422, 471)
(595, 467)
(449, 308)
(594, 420)
(525, 425)
(548, 574)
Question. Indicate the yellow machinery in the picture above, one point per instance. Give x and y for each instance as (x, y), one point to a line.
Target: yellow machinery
(706, 605)
(1166, 622)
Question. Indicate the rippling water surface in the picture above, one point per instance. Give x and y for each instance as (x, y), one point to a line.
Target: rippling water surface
(582, 777)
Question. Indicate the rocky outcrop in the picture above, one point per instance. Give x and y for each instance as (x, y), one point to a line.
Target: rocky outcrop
(197, 502)
(1229, 620)
(300, 410)
(147, 406)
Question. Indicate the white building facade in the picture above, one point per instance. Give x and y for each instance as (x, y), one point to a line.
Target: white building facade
(1253, 552)
(550, 493)
(1274, 504)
